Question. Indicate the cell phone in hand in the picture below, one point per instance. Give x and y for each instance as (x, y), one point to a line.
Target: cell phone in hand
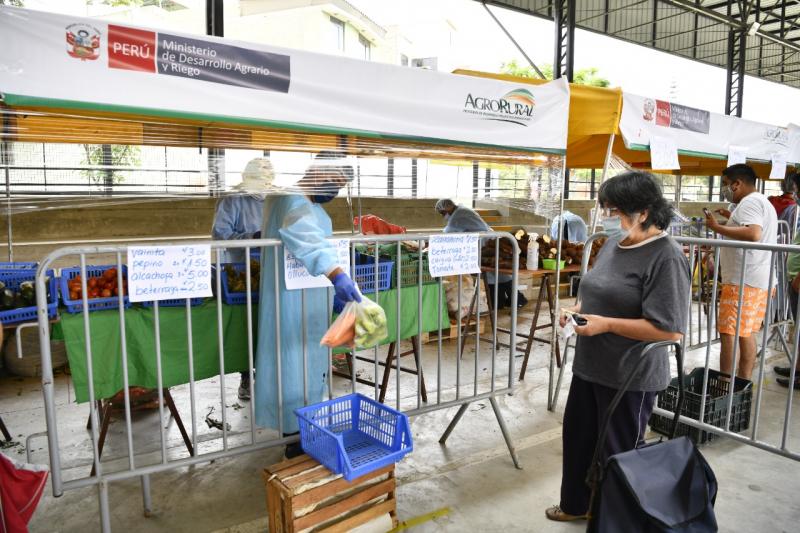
(579, 320)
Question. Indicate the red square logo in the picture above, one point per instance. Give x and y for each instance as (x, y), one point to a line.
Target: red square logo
(663, 114)
(131, 49)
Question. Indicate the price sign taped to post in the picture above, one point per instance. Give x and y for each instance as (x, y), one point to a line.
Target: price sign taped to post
(451, 254)
(169, 272)
(296, 276)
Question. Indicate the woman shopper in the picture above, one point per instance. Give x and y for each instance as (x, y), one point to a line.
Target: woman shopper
(636, 293)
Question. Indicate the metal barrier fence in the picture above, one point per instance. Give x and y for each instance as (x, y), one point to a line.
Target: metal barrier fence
(704, 308)
(468, 385)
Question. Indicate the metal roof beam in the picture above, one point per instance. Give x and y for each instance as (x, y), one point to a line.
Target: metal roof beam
(733, 24)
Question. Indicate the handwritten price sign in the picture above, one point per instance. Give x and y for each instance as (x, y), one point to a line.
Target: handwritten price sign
(169, 272)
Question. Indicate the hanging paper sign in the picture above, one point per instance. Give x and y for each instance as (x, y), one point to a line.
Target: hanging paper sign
(663, 154)
(296, 276)
(737, 155)
(169, 272)
(778, 170)
(451, 254)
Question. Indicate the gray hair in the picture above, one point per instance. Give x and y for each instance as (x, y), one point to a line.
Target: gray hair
(445, 204)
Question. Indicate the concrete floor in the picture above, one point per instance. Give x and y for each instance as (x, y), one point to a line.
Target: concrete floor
(472, 475)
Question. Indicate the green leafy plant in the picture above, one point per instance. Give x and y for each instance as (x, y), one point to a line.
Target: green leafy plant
(109, 156)
(584, 76)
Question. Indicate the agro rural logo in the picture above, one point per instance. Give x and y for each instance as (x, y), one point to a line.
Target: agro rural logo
(515, 107)
(83, 41)
(779, 136)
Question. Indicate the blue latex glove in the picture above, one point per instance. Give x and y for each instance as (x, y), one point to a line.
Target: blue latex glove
(338, 305)
(345, 289)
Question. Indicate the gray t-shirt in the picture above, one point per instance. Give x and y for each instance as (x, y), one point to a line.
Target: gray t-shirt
(650, 281)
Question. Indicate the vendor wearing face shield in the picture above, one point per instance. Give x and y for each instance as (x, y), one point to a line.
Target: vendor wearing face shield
(636, 293)
(301, 223)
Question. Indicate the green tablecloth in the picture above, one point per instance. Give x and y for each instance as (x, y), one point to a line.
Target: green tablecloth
(141, 350)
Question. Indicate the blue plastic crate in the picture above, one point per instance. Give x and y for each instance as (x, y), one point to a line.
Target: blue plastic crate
(354, 435)
(236, 298)
(12, 280)
(364, 273)
(28, 265)
(95, 304)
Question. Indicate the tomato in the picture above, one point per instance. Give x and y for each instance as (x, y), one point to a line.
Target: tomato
(106, 293)
(116, 291)
(92, 283)
(94, 293)
(74, 295)
(110, 274)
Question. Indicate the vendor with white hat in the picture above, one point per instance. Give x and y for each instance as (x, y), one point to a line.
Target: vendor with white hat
(240, 215)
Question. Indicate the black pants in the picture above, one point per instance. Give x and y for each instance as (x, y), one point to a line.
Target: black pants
(792, 299)
(586, 405)
(504, 292)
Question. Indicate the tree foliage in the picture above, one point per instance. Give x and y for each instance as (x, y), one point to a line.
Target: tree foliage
(121, 156)
(584, 76)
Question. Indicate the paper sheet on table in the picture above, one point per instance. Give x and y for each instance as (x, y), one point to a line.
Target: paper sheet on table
(737, 155)
(778, 170)
(663, 154)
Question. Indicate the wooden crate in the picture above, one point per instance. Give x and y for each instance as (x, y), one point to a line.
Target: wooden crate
(303, 495)
(451, 332)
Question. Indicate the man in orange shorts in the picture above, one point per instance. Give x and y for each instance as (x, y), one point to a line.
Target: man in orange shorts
(753, 220)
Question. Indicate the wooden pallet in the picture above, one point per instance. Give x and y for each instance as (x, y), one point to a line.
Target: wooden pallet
(451, 332)
(303, 495)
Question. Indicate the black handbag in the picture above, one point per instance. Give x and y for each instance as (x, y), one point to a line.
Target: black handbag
(659, 487)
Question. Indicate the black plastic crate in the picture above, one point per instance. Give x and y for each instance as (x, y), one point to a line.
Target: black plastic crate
(716, 408)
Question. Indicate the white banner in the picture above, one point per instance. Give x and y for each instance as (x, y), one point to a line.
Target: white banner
(56, 60)
(699, 132)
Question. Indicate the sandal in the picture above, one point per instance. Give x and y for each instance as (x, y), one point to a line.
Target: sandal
(555, 513)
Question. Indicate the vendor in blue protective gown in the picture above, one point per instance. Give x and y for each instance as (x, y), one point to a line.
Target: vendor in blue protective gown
(240, 215)
(302, 224)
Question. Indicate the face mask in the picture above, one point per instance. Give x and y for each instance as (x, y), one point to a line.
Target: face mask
(325, 193)
(727, 193)
(613, 226)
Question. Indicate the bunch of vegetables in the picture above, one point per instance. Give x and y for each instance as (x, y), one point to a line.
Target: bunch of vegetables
(237, 281)
(360, 324)
(105, 285)
(571, 252)
(24, 296)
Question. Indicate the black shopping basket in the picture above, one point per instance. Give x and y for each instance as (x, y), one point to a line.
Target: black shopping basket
(664, 486)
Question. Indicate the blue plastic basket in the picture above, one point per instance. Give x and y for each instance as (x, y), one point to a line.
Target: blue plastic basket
(13, 279)
(95, 304)
(235, 298)
(364, 273)
(29, 265)
(354, 435)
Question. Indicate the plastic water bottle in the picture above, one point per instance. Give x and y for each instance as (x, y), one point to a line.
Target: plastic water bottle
(532, 260)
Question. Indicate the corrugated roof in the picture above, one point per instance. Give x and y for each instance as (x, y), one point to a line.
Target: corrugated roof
(694, 29)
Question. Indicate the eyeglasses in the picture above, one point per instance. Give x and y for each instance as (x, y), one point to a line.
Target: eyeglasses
(610, 212)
